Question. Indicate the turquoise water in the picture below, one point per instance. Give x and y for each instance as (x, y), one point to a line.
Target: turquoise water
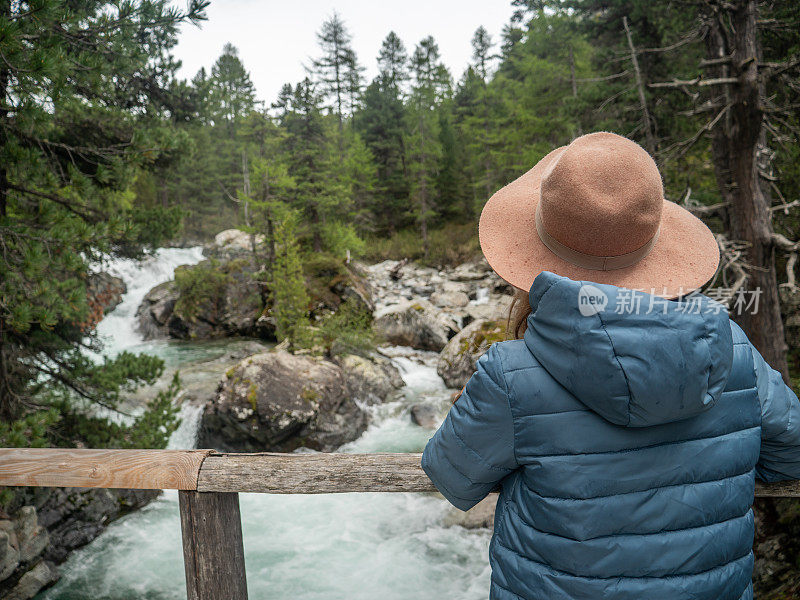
(308, 547)
(304, 547)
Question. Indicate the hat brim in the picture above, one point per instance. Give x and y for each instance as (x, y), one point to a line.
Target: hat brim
(684, 257)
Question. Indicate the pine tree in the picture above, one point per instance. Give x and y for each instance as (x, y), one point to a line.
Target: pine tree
(337, 70)
(66, 167)
(289, 297)
(381, 123)
(481, 55)
(232, 91)
(431, 84)
(313, 163)
(393, 62)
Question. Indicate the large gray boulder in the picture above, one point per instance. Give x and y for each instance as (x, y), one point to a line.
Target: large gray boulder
(222, 300)
(156, 309)
(369, 380)
(280, 401)
(234, 242)
(416, 323)
(457, 361)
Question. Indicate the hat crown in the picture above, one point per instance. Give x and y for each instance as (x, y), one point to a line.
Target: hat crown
(602, 196)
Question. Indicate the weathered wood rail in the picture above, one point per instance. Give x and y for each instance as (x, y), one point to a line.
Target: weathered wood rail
(209, 484)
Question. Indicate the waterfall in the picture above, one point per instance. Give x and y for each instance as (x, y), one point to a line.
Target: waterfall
(118, 329)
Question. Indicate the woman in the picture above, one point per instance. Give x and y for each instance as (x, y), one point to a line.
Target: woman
(624, 430)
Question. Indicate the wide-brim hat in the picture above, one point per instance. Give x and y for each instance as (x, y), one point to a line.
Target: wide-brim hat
(595, 210)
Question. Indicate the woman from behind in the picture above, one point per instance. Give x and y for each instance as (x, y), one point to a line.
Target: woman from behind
(627, 425)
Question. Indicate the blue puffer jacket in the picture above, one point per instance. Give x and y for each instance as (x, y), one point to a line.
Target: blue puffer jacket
(626, 445)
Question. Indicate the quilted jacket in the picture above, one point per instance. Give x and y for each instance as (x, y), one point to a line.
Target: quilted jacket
(625, 443)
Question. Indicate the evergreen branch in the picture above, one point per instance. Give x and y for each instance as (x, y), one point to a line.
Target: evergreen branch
(86, 213)
(77, 388)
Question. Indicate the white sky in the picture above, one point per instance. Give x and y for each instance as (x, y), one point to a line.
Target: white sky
(277, 37)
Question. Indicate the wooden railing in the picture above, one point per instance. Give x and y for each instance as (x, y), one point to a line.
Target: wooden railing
(209, 484)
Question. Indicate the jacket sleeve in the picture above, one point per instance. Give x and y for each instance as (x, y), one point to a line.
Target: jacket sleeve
(474, 448)
(780, 425)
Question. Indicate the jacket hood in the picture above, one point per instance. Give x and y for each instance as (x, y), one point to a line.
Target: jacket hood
(636, 360)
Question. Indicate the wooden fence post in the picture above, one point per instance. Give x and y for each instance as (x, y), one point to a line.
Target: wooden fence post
(213, 551)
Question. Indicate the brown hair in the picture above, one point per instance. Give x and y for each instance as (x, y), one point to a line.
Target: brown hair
(518, 317)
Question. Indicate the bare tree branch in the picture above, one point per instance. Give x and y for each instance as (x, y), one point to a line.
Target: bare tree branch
(698, 81)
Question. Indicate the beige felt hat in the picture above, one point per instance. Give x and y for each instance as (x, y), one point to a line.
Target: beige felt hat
(595, 211)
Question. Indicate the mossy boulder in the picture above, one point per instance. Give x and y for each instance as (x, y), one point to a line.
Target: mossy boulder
(277, 401)
(211, 299)
(369, 379)
(458, 358)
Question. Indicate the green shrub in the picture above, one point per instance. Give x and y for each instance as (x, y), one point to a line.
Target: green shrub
(449, 245)
(200, 285)
(339, 237)
(346, 331)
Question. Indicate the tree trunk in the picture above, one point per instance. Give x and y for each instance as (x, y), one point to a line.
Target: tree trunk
(578, 129)
(6, 392)
(737, 144)
(423, 187)
(650, 143)
(5, 76)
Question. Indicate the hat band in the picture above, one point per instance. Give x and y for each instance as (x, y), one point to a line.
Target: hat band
(591, 261)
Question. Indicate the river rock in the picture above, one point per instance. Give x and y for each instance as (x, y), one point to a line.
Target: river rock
(9, 552)
(453, 299)
(31, 536)
(496, 309)
(480, 516)
(330, 283)
(105, 291)
(39, 577)
(458, 358)
(233, 242)
(280, 401)
(425, 415)
(473, 271)
(416, 323)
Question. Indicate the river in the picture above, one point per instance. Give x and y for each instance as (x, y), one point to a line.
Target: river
(303, 547)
